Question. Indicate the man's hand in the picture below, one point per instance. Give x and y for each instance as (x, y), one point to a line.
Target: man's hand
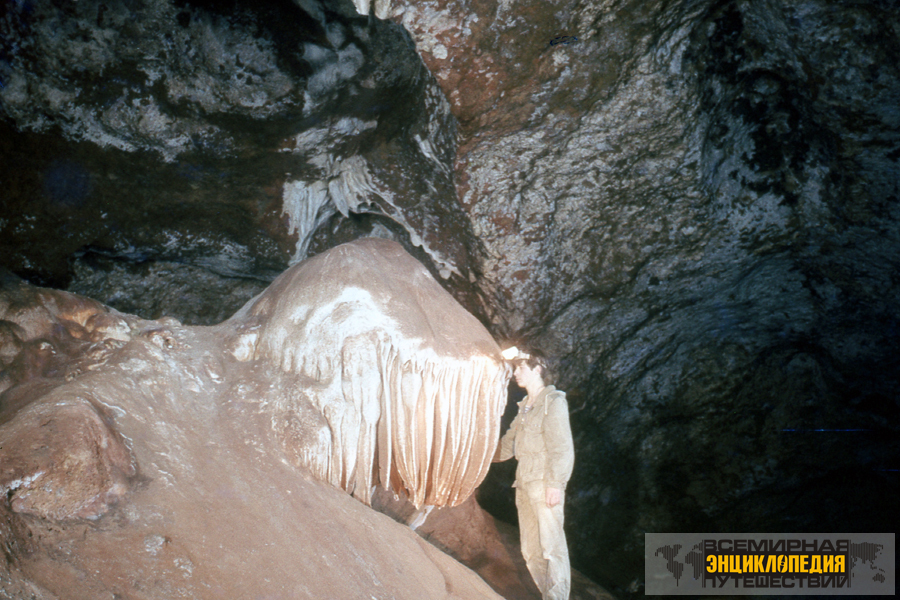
(554, 497)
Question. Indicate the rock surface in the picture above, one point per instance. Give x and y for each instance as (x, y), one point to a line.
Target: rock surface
(147, 459)
(487, 546)
(691, 205)
(242, 128)
(694, 207)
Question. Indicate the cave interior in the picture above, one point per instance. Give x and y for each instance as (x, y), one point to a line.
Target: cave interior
(691, 206)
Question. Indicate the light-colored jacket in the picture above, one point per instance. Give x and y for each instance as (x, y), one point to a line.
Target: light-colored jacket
(541, 440)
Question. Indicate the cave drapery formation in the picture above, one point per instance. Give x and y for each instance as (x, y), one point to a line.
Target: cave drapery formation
(692, 205)
(407, 386)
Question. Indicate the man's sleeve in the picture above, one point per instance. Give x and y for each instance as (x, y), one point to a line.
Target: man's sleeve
(508, 443)
(558, 441)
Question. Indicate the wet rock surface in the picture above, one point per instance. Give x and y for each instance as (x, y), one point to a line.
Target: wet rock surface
(692, 206)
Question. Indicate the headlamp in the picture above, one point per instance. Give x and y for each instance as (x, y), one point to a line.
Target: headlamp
(513, 353)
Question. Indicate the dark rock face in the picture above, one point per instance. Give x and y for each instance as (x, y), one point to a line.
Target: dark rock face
(217, 135)
(683, 242)
(693, 206)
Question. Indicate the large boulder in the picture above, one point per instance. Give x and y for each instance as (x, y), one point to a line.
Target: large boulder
(147, 459)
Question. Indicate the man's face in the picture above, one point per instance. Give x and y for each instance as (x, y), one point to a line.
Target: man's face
(525, 374)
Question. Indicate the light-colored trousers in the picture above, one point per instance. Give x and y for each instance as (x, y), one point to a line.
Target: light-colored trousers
(543, 540)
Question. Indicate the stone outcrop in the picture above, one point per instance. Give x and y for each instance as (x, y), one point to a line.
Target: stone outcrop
(147, 459)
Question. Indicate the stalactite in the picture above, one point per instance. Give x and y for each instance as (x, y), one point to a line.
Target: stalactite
(411, 387)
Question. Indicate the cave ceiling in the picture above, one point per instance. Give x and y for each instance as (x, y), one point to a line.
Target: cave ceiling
(692, 206)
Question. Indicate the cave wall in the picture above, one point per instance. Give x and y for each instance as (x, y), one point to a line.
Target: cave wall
(692, 205)
(217, 135)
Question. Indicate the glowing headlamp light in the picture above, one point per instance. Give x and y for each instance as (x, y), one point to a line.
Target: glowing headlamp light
(513, 353)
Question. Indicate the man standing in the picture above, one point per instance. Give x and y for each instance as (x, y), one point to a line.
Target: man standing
(541, 440)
